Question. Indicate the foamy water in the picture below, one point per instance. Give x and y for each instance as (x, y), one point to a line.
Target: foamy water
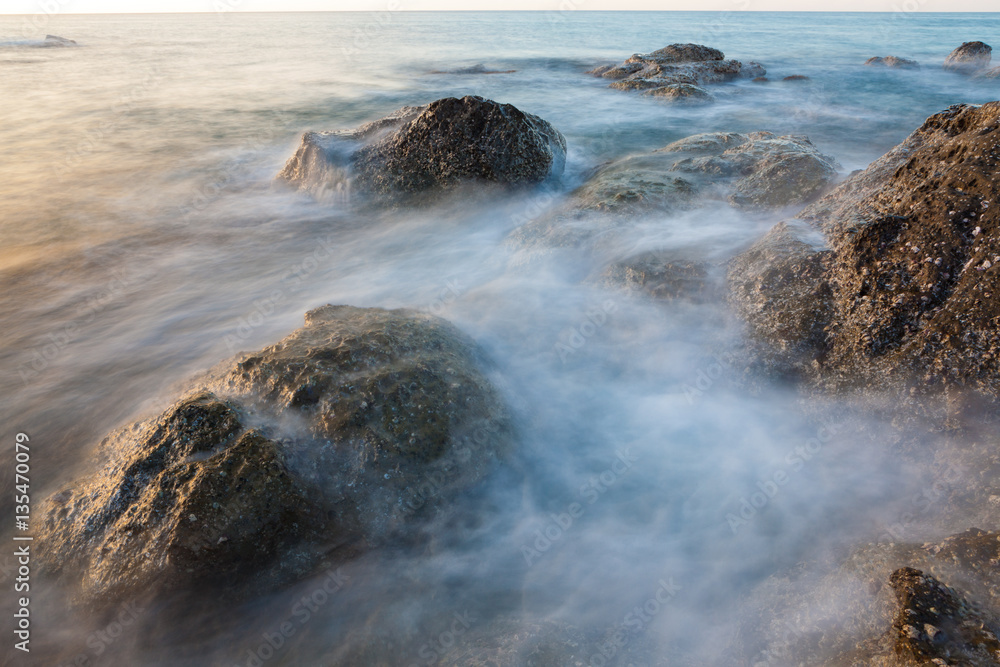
(144, 241)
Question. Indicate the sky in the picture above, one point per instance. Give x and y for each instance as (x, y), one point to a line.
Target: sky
(126, 6)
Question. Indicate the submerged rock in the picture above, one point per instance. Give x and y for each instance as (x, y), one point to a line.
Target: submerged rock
(433, 148)
(53, 40)
(916, 249)
(892, 61)
(661, 274)
(475, 69)
(752, 171)
(796, 77)
(969, 58)
(992, 73)
(332, 441)
(677, 64)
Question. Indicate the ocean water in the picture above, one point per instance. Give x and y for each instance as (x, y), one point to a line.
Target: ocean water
(143, 241)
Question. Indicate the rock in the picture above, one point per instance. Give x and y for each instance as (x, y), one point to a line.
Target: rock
(53, 40)
(334, 440)
(760, 79)
(666, 275)
(796, 77)
(916, 243)
(777, 286)
(432, 149)
(682, 93)
(677, 64)
(754, 171)
(934, 625)
(892, 61)
(773, 171)
(969, 58)
(881, 605)
(992, 73)
(686, 53)
(475, 69)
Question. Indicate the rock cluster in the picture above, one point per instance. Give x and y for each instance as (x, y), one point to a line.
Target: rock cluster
(677, 65)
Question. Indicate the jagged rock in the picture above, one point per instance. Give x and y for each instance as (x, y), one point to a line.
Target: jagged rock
(916, 243)
(892, 61)
(677, 64)
(934, 625)
(969, 58)
(330, 442)
(431, 149)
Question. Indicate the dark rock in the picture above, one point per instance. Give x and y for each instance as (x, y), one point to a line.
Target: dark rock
(969, 58)
(916, 243)
(432, 149)
(334, 440)
(681, 93)
(796, 77)
(760, 79)
(934, 625)
(689, 64)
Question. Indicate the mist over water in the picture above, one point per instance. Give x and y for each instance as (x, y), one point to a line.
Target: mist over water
(143, 242)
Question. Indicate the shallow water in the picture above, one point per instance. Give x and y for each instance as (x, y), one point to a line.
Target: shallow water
(143, 242)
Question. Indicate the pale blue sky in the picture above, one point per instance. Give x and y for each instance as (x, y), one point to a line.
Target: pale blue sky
(125, 6)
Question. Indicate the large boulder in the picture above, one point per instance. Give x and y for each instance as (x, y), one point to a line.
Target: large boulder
(916, 250)
(334, 440)
(677, 64)
(433, 148)
(969, 58)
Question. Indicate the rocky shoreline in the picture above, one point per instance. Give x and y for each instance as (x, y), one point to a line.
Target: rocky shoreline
(355, 430)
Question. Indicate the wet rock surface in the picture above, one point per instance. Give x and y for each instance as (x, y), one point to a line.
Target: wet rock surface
(915, 249)
(677, 64)
(681, 93)
(324, 445)
(433, 148)
(969, 58)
